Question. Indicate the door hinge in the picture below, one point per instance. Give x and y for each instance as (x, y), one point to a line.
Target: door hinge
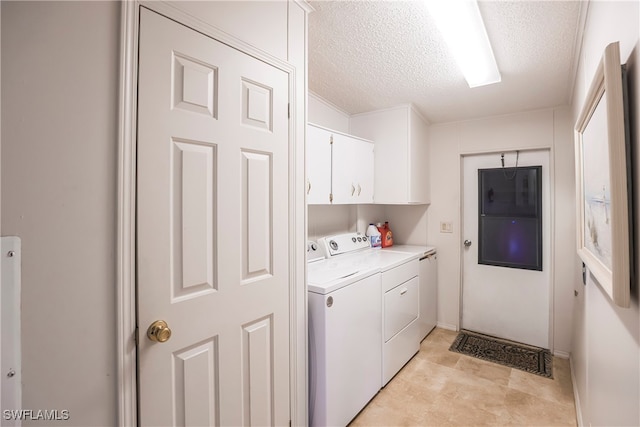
(331, 139)
(136, 336)
(289, 111)
(331, 197)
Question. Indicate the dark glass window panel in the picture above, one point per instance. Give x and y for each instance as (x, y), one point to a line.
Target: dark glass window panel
(510, 191)
(510, 217)
(510, 242)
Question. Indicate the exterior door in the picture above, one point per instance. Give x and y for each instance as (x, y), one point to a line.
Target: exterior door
(506, 302)
(212, 224)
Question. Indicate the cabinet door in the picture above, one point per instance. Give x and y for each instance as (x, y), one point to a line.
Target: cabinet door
(353, 164)
(343, 172)
(388, 128)
(401, 156)
(363, 170)
(318, 166)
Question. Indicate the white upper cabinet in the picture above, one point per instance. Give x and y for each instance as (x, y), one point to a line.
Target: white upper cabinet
(318, 165)
(365, 181)
(401, 135)
(353, 162)
(339, 168)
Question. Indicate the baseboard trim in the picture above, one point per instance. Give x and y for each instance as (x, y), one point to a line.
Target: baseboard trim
(447, 326)
(561, 354)
(576, 395)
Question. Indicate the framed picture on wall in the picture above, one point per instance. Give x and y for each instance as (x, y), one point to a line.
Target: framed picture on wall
(603, 181)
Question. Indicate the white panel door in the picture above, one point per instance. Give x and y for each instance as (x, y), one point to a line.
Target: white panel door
(212, 218)
(505, 302)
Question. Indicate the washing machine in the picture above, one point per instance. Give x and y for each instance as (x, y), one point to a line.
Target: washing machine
(345, 332)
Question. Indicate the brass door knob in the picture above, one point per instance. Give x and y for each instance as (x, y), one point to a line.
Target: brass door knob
(159, 331)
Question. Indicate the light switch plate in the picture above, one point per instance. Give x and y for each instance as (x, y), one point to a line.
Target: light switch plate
(446, 227)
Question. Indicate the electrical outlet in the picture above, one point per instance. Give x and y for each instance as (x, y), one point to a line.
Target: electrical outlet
(446, 227)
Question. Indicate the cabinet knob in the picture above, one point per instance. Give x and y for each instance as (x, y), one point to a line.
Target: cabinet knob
(359, 189)
(353, 189)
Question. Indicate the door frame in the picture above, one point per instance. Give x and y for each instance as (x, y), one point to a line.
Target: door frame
(127, 333)
(552, 231)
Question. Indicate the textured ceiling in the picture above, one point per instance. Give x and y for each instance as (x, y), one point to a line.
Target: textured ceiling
(368, 55)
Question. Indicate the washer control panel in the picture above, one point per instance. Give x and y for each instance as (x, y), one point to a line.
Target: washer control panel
(343, 243)
(313, 251)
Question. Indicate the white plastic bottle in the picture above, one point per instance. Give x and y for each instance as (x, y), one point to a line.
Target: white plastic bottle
(374, 236)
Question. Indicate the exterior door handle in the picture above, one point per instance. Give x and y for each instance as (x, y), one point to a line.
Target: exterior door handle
(467, 243)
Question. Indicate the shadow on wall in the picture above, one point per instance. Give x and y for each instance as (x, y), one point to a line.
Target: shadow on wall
(633, 79)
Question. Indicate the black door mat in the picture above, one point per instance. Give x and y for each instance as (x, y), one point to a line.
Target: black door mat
(527, 358)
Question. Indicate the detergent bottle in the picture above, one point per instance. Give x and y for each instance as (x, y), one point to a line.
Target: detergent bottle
(386, 234)
(374, 236)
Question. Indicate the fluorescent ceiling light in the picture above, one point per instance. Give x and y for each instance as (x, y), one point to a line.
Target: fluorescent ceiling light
(461, 25)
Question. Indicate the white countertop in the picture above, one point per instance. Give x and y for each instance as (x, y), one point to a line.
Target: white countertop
(328, 275)
(420, 250)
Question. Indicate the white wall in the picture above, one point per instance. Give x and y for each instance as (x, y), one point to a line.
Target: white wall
(548, 128)
(606, 339)
(59, 151)
(408, 222)
(325, 220)
(267, 29)
(565, 261)
(323, 113)
(60, 74)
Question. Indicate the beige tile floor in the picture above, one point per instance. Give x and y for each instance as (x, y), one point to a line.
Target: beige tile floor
(442, 388)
